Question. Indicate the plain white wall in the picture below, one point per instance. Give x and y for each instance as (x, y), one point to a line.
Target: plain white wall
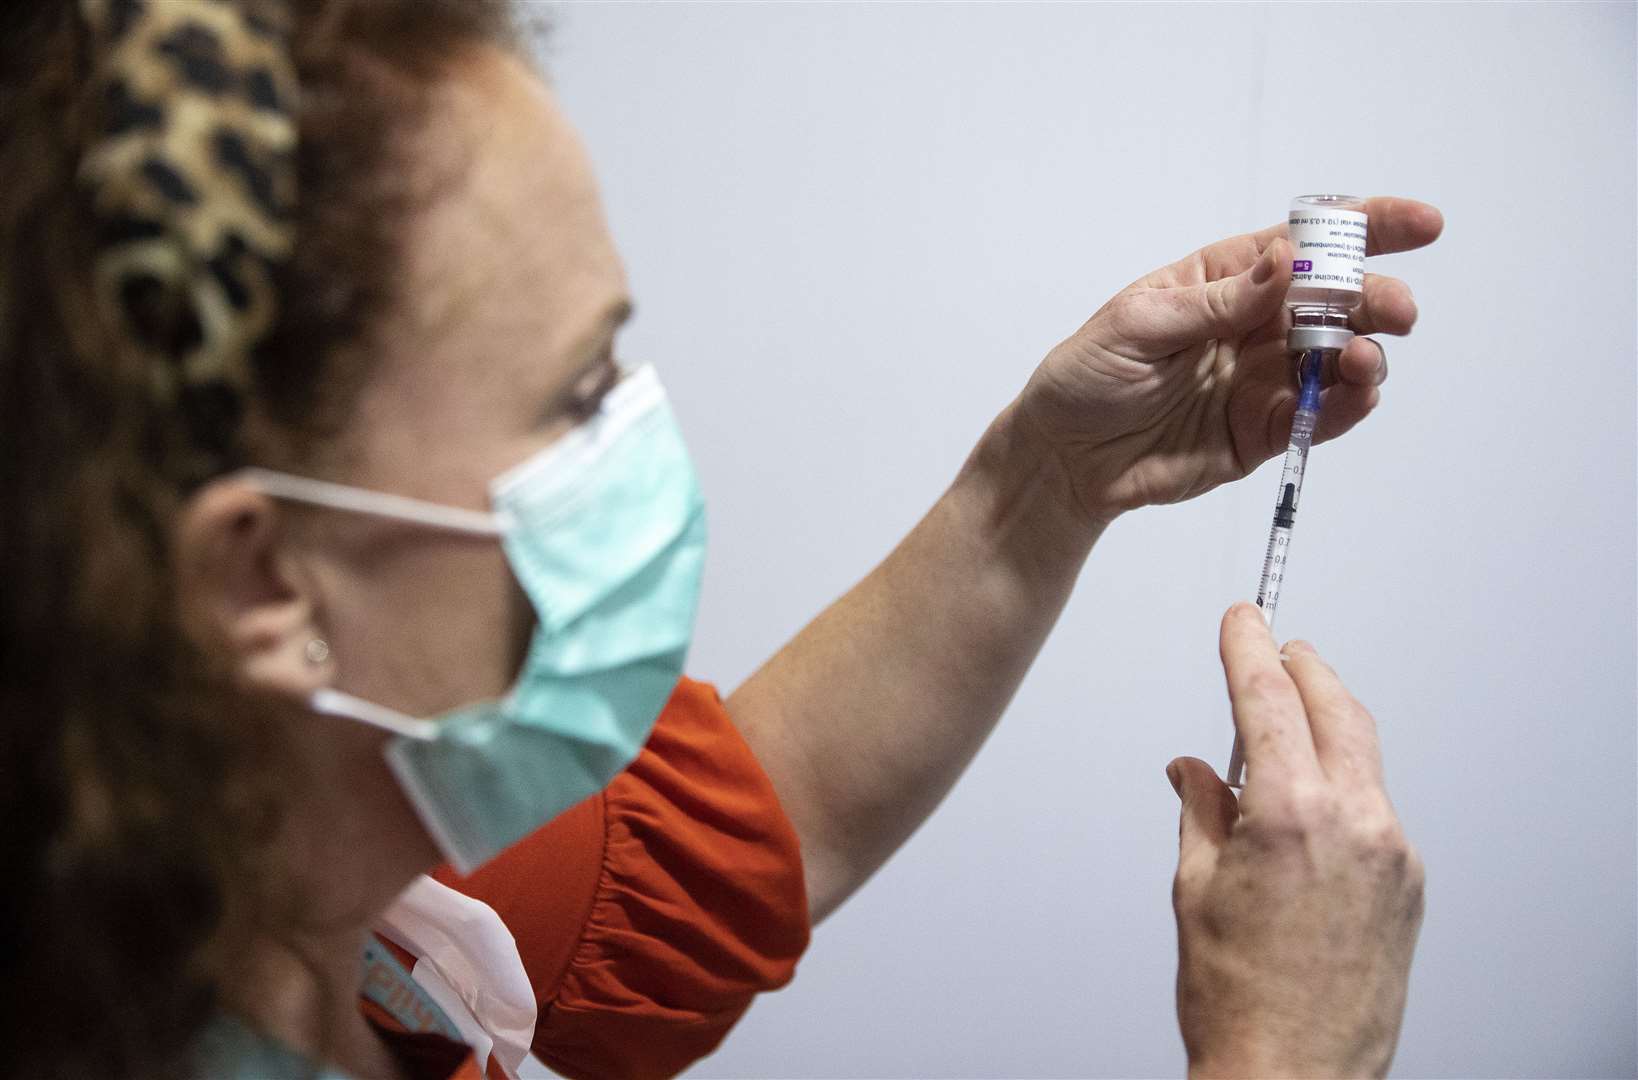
(853, 230)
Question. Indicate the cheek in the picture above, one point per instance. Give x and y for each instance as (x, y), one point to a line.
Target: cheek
(468, 633)
(431, 628)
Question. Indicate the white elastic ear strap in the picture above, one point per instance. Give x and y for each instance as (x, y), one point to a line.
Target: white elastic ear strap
(381, 504)
(337, 703)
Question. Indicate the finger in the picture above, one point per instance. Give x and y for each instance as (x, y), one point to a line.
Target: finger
(1387, 307)
(1221, 259)
(1282, 410)
(1342, 407)
(1363, 363)
(1344, 733)
(1268, 710)
(1210, 808)
(1392, 224)
(1260, 419)
(1150, 323)
(1400, 225)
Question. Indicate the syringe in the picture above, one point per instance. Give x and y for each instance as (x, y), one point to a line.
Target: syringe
(1328, 240)
(1310, 367)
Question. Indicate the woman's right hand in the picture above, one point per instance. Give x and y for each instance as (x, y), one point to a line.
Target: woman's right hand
(1299, 903)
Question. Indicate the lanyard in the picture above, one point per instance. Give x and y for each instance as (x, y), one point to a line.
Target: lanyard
(390, 986)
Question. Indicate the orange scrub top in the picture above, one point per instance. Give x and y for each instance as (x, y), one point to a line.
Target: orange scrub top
(645, 918)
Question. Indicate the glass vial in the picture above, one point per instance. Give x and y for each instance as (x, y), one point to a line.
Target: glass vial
(1328, 260)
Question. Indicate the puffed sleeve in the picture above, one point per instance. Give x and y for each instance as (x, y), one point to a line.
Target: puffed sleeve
(648, 917)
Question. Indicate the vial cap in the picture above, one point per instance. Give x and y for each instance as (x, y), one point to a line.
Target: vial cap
(1303, 338)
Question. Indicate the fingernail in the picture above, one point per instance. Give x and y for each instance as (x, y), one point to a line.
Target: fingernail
(1299, 646)
(1264, 268)
(1175, 775)
(1381, 363)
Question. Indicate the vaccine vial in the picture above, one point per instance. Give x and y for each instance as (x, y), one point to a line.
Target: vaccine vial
(1327, 267)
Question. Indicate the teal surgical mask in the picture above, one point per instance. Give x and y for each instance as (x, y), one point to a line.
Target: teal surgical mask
(605, 532)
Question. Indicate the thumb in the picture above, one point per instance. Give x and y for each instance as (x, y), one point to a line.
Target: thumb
(1186, 315)
(1209, 806)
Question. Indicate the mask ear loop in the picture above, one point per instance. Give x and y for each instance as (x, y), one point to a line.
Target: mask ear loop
(338, 703)
(329, 701)
(378, 503)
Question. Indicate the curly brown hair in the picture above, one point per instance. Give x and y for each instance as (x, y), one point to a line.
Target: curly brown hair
(137, 789)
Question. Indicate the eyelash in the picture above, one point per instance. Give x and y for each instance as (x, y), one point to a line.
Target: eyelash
(585, 406)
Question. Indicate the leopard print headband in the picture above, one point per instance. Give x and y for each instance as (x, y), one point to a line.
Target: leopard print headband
(190, 167)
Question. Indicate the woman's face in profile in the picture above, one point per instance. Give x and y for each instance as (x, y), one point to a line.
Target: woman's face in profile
(511, 298)
(502, 338)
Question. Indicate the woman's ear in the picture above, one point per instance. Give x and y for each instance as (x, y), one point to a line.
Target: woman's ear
(241, 595)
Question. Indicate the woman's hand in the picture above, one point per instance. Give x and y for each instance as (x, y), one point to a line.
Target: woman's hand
(1182, 381)
(1297, 905)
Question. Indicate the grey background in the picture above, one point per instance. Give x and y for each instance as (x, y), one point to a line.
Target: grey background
(852, 231)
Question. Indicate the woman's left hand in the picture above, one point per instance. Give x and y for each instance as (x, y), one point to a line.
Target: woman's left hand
(1182, 381)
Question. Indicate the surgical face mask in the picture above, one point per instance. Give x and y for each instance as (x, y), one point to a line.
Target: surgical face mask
(605, 532)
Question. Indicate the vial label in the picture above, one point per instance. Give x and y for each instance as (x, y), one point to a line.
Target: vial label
(1329, 249)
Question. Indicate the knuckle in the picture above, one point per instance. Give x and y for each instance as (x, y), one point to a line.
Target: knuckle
(1265, 685)
(1279, 826)
(1218, 305)
(1125, 314)
(1182, 893)
(1188, 891)
(1413, 886)
(1317, 807)
(1416, 871)
(1282, 833)
(1380, 839)
(1407, 302)
(1355, 721)
(1268, 743)
(1387, 839)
